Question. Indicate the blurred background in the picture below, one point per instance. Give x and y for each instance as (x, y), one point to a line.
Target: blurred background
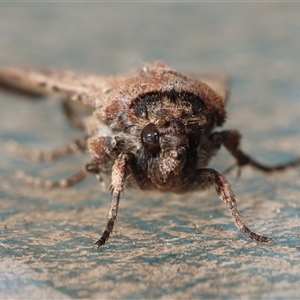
(164, 246)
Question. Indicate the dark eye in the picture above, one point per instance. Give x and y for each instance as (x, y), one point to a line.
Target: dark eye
(150, 138)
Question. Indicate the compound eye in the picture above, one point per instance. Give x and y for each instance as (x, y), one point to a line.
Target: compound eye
(150, 138)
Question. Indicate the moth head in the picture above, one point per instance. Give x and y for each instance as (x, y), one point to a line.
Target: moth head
(169, 144)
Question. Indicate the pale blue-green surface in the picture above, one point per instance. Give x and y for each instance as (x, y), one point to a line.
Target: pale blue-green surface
(164, 246)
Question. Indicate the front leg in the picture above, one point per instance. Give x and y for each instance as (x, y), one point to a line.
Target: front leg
(118, 176)
(209, 177)
(231, 141)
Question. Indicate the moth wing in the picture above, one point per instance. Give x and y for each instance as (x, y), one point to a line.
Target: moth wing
(85, 88)
(219, 84)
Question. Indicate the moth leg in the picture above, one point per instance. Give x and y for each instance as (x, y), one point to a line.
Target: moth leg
(76, 113)
(118, 176)
(71, 116)
(209, 177)
(231, 141)
(76, 146)
(100, 147)
(62, 183)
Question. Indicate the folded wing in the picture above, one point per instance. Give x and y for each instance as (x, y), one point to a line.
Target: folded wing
(88, 89)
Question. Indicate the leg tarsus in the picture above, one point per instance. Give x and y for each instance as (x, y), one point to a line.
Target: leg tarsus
(279, 167)
(207, 177)
(105, 234)
(118, 177)
(231, 141)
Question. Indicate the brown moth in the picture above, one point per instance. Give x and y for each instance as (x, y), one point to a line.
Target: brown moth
(151, 128)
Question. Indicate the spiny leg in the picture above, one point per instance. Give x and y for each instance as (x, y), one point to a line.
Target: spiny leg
(208, 177)
(73, 118)
(231, 141)
(100, 147)
(118, 177)
(76, 146)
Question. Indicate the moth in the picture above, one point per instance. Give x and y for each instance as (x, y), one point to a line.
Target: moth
(152, 128)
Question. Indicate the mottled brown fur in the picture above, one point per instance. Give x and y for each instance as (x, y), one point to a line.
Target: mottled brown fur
(152, 128)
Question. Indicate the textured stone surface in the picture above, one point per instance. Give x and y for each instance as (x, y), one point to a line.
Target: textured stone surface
(156, 251)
